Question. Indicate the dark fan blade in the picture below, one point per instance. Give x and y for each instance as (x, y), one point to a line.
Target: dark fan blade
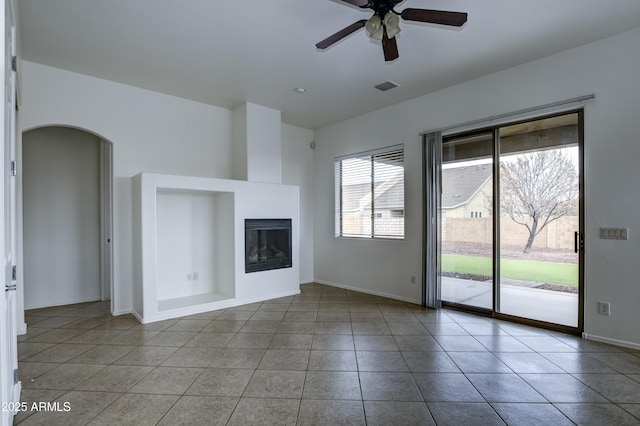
(359, 3)
(389, 47)
(455, 19)
(341, 34)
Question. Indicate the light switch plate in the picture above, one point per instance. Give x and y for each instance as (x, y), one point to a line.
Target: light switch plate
(614, 233)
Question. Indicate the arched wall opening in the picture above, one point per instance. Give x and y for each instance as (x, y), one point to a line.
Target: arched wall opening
(67, 210)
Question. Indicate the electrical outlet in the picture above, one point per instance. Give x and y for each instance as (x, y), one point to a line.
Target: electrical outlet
(196, 275)
(189, 277)
(604, 308)
(413, 279)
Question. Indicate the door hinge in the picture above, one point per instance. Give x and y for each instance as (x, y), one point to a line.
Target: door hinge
(14, 168)
(16, 376)
(14, 275)
(14, 63)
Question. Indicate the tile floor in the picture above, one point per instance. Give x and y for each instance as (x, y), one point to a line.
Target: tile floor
(325, 357)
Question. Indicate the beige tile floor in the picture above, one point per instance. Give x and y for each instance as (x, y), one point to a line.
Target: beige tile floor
(325, 357)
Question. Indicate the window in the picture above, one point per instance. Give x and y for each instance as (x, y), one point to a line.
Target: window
(370, 194)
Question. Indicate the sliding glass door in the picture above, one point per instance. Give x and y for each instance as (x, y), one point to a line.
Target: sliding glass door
(466, 220)
(539, 222)
(511, 221)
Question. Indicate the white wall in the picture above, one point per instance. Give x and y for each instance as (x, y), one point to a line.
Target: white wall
(264, 139)
(297, 169)
(256, 143)
(158, 133)
(150, 132)
(239, 161)
(610, 69)
(61, 217)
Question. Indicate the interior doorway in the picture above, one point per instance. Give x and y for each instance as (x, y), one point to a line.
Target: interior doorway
(511, 221)
(66, 217)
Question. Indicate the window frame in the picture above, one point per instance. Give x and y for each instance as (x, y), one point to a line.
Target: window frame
(338, 196)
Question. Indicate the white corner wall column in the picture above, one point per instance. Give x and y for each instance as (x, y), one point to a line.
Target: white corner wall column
(257, 140)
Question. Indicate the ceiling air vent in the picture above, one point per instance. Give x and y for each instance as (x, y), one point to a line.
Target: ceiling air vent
(386, 85)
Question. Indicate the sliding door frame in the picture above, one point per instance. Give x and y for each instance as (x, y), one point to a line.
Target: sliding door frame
(495, 312)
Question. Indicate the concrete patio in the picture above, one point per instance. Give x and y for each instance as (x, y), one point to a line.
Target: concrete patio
(517, 298)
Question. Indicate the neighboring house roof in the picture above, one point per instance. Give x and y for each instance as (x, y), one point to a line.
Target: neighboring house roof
(460, 184)
(352, 194)
(388, 195)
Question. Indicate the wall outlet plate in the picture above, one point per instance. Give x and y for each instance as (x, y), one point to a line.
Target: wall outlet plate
(604, 308)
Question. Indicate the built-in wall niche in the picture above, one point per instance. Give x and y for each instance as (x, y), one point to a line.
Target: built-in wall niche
(188, 249)
(195, 247)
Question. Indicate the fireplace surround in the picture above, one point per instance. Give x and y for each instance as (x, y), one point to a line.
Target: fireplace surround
(189, 251)
(267, 244)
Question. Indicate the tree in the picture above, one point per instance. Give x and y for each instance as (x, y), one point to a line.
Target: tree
(538, 188)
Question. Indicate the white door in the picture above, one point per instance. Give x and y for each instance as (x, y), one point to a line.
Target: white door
(9, 385)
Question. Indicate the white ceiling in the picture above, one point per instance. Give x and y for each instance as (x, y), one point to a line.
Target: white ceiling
(226, 53)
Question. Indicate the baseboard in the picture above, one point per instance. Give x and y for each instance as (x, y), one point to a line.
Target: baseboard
(373, 293)
(138, 317)
(16, 391)
(62, 303)
(16, 394)
(121, 312)
(610, 341)
(208, 307)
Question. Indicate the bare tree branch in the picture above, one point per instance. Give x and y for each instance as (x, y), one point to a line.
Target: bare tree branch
(538, 188)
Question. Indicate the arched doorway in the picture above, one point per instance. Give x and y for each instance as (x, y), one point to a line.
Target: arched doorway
(66, 194)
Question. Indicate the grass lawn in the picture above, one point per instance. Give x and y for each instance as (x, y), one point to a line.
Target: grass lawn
(527, 270)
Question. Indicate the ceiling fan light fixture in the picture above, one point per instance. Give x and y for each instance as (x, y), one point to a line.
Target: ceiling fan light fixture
(384, 25)
(374, 27)
(392, 24)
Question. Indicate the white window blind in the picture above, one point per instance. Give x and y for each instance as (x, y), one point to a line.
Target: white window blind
(370, 194)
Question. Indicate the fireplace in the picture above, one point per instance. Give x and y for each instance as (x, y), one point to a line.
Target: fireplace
(267, 244)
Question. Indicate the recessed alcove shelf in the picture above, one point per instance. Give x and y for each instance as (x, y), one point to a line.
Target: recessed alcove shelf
(189, 244)
(194, 247)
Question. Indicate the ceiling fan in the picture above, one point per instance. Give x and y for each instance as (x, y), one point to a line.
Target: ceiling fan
(384, 24)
